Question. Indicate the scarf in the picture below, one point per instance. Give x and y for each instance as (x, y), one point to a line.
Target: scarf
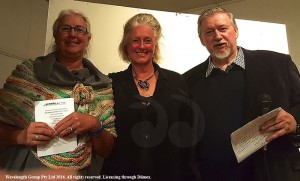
(46, 79)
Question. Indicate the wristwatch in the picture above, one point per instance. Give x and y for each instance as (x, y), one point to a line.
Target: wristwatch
(296, 137)
(297, 134)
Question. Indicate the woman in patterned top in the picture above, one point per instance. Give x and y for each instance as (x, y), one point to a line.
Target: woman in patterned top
(64, 73)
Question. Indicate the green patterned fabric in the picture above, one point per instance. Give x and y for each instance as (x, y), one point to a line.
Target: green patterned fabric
(22, 89)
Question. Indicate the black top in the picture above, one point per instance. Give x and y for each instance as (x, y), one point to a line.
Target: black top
(147, 142)
(222, 103)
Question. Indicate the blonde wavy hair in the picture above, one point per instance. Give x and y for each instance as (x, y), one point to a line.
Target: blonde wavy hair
(140, 19)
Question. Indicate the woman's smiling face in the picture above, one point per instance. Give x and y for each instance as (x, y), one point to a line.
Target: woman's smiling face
(141, 44)
(72, 44)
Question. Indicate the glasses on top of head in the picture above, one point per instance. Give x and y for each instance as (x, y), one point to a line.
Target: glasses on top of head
(77, 29)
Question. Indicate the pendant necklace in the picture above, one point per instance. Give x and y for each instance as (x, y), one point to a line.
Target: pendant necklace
(144, 84)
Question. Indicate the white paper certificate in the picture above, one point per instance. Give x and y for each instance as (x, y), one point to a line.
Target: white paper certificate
(248, 139)
(51, 112)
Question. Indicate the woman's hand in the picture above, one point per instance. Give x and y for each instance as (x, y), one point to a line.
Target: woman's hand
(37, 133)
(282, 124)
(76, 123)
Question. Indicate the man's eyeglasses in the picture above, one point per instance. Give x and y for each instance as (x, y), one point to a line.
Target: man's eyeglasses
(77, 29)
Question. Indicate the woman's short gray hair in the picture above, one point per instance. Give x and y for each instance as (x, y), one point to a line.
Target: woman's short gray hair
(60, 17)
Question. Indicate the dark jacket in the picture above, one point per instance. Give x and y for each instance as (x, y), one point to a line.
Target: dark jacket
(274, 74)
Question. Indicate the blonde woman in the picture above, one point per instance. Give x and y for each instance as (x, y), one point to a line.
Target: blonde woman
(147, 109)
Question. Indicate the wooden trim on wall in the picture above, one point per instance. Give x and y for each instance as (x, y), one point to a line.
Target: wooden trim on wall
(12, 53)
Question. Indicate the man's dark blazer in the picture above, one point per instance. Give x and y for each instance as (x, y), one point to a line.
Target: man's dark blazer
(270, 73)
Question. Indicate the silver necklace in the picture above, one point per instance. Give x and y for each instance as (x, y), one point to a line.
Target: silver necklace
(144, 84)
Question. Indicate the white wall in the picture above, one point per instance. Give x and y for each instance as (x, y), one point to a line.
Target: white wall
(181, 47)
(107, 25)
(275, 11)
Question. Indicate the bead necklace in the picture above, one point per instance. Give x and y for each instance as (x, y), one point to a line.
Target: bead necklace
(144, 83)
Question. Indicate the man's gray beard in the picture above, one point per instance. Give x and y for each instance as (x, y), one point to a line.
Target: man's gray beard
(222, 55)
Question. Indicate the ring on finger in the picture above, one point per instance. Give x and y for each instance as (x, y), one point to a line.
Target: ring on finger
(71, 129)
(36, 137)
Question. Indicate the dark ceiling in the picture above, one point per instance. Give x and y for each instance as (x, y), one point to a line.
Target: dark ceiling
(164, 5)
